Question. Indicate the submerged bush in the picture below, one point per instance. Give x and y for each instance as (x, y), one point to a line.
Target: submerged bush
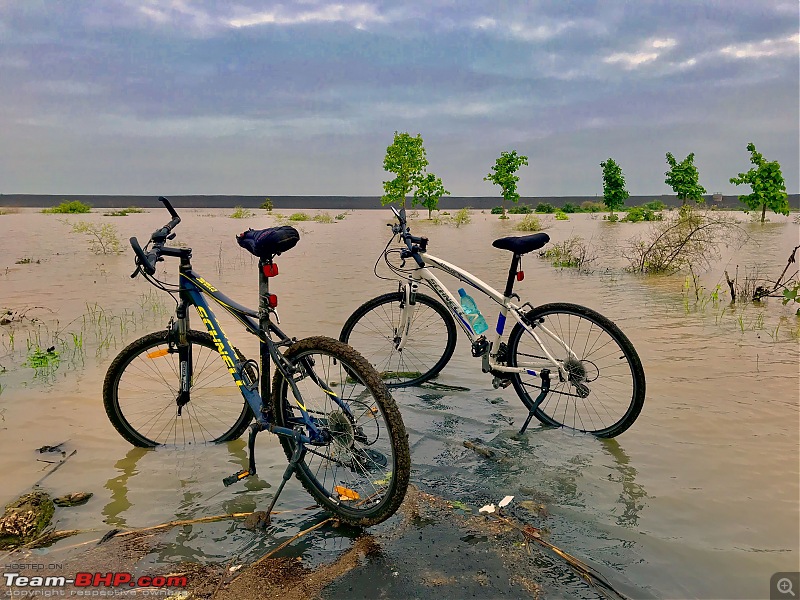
(572, 253)
(529, 223)
(299, 216)
(103, 239)
(124, 212)
(545, 207)
(519, 209)
(561, 216)
(73, 207)
(592, 207)
(240, 212)
(689, 239)
(656, 205)
(640, 213)
(462, 217)
(323, 217)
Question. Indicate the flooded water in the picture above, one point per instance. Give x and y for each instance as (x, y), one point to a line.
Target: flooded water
(699, 498)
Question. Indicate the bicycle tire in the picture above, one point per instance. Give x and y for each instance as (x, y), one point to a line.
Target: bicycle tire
(607, 366)
(152, 419)
(372, 330)
(361, 474)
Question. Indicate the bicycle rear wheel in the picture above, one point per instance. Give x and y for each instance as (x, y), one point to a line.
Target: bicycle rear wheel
(141, 388)
(359, 469)
(605, 389)
(374, 329)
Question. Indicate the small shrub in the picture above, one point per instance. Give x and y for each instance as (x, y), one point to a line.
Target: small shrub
(592, 207)
(655, 205)
(9, 211)
(640, 213)
(323, 218)
(519, 209)
(688, 240)
(573, 253)
(299, 216)
(611, 217)
(529, 223)
(241, 213)
(570, 208)
(341, 216)
(497, 210)
(561, 216)
(103, 239)
(124, 212)
(74, 207)
(267, 205)
(545, 207)
(462, 217)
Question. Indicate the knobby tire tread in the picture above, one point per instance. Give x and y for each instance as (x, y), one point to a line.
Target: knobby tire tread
(380, 393)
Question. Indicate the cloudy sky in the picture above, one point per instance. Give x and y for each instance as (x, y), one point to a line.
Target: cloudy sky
(244, 97)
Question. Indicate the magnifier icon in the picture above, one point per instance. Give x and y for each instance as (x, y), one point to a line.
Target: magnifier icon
(784, 586)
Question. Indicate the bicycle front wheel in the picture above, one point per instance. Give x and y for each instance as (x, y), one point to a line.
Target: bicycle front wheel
(374, 329)
(358, 467)
(141, 389)
(605, 387)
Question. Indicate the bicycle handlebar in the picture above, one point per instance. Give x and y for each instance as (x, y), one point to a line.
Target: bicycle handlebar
(147, 261)
(415, 244)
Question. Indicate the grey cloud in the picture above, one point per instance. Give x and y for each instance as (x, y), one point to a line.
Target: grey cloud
(177, 78)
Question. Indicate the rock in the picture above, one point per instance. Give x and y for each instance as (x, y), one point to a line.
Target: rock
(25, 519)
(258, 520)
(73, 499)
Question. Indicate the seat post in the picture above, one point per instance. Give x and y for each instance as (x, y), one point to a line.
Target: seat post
(512, 275)
(263, 322)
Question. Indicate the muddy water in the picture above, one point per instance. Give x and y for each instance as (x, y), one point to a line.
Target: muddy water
(698, 499)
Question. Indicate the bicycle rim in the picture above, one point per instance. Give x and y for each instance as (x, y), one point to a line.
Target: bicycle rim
(360, 472)
(374, 330)
(142, 385)
(605, 389)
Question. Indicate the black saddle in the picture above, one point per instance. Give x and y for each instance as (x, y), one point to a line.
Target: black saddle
(522, 244)
(266, 243)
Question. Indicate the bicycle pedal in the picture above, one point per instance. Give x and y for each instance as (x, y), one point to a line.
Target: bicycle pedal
(498, 382)
(231, 479)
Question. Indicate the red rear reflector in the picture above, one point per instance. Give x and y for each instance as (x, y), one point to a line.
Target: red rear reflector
(520, 275)
(270, 270)
(272, 300)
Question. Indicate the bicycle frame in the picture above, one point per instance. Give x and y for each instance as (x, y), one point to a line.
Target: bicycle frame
(423, 274)
(192, 289)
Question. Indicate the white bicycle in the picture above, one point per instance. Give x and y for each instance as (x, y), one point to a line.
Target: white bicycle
(571, 366)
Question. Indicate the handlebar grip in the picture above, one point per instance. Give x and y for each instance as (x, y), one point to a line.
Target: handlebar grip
(144, 259)
(171, 210)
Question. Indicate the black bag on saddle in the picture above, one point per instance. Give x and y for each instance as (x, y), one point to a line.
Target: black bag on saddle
(266, 243)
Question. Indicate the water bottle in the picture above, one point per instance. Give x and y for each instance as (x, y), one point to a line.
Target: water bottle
(474, 316)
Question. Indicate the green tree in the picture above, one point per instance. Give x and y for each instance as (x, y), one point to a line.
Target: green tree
(406, 159)
(429, 189)
(614, 192)
(504, 168)
(683, 177)
(766, 182)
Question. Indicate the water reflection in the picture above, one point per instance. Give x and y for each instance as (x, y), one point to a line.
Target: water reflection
(632, 494)
(118, 486)
(191, 495)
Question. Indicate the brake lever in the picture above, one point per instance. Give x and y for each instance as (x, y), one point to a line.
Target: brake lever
(136, 272)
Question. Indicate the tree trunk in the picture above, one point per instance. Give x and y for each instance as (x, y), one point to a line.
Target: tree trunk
(763, 211)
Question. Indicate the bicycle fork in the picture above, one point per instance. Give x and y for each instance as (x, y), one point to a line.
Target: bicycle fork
(409, 291)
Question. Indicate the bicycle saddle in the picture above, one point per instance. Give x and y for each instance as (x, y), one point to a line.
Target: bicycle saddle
(522, 244)
(266, 243)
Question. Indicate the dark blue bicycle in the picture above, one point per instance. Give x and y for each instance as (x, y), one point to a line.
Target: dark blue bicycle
(338, 424)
